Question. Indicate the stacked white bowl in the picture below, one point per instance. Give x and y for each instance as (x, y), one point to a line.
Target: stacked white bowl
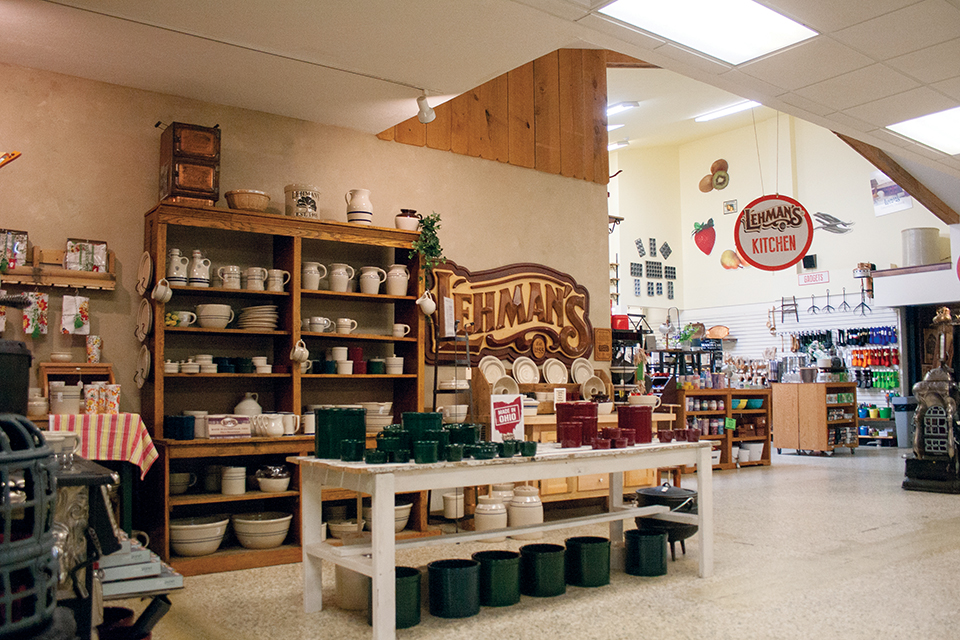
(263, 530)
(197, 536)
(214, 316)
(401, 514)
(378, 415)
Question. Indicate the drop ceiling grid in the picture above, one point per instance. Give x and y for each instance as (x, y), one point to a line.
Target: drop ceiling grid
(933, 64)
(902, 106)
(909, 29)
(807, 63)
(826, 16)
(858, 87)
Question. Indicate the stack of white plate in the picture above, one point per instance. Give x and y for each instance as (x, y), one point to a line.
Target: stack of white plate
(525, 371)
(261, 318)
(451, 385)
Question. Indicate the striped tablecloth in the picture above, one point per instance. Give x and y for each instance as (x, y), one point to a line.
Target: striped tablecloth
(121, 436)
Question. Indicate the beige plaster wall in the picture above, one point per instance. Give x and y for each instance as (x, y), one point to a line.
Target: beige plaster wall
(90, 169)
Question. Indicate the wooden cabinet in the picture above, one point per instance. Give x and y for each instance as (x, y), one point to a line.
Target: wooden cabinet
(249, 239)
(751, 424)
(815, 416)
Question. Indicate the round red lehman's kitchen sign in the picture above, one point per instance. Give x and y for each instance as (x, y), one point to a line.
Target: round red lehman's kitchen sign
(773, 233)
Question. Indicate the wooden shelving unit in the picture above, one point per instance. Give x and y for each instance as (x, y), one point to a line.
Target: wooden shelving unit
(280, 242)
(758, 418)
(802, 417)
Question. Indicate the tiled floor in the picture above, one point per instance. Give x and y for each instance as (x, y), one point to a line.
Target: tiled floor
(811, 548)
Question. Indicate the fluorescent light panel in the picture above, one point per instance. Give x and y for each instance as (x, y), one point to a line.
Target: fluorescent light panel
(620, 107)
(737, 108)
(938, 130)
(734, 31)
(618, 145)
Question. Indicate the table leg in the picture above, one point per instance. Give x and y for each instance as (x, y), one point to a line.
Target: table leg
(615, 502)
(311, 514)
(705, 510)
(384, 582)
(126, 496)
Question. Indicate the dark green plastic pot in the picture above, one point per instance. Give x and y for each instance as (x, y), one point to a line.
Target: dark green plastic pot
(454, 587)
(408, 598)
(646, 552)
(588, 561)
(542, 572)
(499, 577)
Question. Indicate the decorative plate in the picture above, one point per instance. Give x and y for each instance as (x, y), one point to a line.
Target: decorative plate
(144, 320)
(492, 369)
(581, 370)
(505, 386)
(143, 367)
(144, 273)
(718, 332)
(555, 372)
(525, 371)
(591, 387)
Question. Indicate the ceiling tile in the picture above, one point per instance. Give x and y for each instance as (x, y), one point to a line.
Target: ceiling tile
(890, 137)
(809, 62)
(750, 84)
(829, 15)
(695, 60)
(858, 87)
(807, 105)
(912, 28)
(850, 122)
(927, 152)
(949, 87)
(939, 62)
(903, 106)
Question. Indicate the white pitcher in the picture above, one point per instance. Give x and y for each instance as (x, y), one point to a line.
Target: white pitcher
(249, 405)
(358, 200)
(397, 278)
(340, 276)
(199, 270)
(311, 274)
(371, 278)
(177, 267)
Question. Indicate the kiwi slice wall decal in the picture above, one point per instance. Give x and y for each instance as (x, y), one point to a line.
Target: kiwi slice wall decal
(721, 179)
(706, 183)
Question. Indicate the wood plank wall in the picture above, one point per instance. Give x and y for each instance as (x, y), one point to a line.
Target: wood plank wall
(549, 115)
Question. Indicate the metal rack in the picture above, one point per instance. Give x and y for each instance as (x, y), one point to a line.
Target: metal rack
(460, 361)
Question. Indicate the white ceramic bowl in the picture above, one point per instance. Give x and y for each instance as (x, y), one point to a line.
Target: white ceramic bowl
(247, 199)
(273, 485)
(197, 536)
(213, 321)
(604, 408)
(401, 514)
(61, 356)
(340, 529)
(263, 530)
(378, 408)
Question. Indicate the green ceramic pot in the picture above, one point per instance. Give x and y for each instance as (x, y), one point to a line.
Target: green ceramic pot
(588, 561)
(646, 552)
(542, 570)
(528, 448)
(425, 452)
(454, 587)
(419, 422)
(499, 577)
(408, 598)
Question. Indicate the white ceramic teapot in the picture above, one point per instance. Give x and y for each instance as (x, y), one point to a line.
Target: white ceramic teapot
(248, 406)
(176, 267)
(397, 279)
(199, 270)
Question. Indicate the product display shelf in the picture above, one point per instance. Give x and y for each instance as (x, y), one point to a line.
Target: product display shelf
(801, 415)
(749, 421)
(279, 242)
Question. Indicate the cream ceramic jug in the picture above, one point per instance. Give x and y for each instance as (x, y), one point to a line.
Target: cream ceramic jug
(371, 278)
(177, 267)
(311, 274)
(340, 276)
(397, 279)
(199, 270)
(248, 406)
(358, 200)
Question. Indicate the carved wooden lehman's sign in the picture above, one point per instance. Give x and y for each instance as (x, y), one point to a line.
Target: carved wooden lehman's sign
(517, 310)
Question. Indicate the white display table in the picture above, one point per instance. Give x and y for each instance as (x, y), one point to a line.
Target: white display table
(383, 482)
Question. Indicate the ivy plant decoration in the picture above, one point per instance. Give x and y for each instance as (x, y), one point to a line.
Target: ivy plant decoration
(427, 246)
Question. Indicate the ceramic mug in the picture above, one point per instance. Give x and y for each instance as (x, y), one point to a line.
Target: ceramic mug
(306, 366)
(309, 422)
(229, 276)
(299, 352)
(291, 423)
(276, 279)
(400, 330)
(180, 482)
(255, 277)
(162, 292)
(319, 324)
(346, 325)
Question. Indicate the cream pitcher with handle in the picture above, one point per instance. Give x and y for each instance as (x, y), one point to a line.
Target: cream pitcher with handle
(340, 276)
(358, 200)
(199, 270)
(176, 267)
(397, 278)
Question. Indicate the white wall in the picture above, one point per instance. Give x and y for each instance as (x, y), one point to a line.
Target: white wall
(90, 169)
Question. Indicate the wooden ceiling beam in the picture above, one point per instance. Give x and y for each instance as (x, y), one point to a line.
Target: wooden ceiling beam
(616, 60)
(892, 169)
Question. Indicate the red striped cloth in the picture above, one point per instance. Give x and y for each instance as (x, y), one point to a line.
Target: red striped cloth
(120, 436)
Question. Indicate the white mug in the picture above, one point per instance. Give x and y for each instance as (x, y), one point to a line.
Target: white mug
(162, 292)
(400, 330)
(299, 352)
(276, 279)
(255, 277)
(199, 423)
(309, 422)
(306, 366)
(185, 318)
(427, 304)
(180, 482)
(291, 423)
(319, 324)
(346, 325)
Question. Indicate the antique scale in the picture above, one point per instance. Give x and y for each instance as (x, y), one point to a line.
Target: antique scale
(935, 465)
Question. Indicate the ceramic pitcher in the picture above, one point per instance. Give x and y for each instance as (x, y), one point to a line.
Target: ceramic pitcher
(397, 278)
(311, 274)
(340, 276)
(371, 278)
(177, 267)
(199, 270)
(358, 200)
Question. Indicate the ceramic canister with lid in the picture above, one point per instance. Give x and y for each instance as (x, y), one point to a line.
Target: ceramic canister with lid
(490, 513)
(503, 491)
(301, 201)
(526, 508)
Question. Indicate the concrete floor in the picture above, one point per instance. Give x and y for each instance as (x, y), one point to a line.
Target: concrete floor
(811, 547)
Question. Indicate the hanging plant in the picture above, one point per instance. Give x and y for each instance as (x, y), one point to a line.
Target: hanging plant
(427, 246)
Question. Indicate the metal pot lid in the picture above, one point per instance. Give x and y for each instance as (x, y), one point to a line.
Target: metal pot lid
(667, 491)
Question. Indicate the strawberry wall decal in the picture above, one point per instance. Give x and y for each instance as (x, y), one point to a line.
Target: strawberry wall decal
(704, 235)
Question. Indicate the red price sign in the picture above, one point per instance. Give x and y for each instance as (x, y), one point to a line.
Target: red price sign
(773, 233)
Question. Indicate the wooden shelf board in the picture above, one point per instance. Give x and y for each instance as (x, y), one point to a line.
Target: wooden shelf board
(406, 534)
(353, 295)
(750, 439)
(244, 332)
(755, 463)
(226, 375)
(355, 376)
(841, 420)
(208, 498)
(748, 410)
(220, 291)
(59, 277)
(234, 558)
(355, 336)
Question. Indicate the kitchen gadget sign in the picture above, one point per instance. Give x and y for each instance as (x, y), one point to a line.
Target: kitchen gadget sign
(773, 233)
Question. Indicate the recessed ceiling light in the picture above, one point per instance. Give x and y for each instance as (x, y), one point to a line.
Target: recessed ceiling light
(618, 145)
(611, 127)
(737, 108)
(620, 107)
(734, 31)
(938, 130)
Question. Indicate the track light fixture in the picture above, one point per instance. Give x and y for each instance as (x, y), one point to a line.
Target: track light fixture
(426, 114)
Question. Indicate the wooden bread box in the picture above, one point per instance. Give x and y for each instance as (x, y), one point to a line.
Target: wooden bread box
(190, 164)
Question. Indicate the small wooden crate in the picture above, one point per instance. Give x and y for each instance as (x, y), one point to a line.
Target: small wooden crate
(190, 164)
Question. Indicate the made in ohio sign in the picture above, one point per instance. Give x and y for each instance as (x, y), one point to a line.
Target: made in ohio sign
(773, 233)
